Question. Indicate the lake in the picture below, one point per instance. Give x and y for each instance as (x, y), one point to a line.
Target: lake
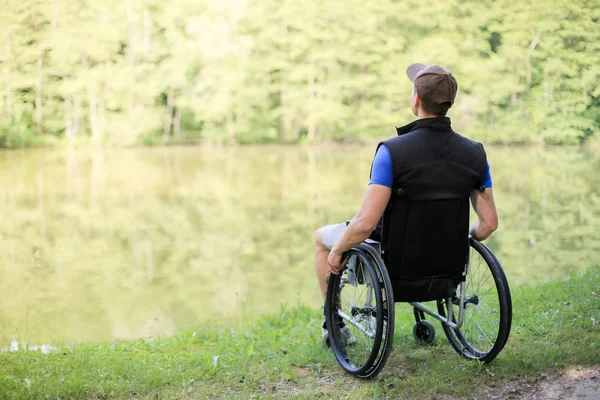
(109, 244)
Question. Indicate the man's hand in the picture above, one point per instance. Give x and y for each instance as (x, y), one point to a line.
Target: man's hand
(335, 262)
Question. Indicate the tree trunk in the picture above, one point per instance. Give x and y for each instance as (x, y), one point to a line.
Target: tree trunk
(72, 113)
(522, 107)
(169, 116)
(69, 121)
(131, 57)
(131, 34)
(177, 123)
(9, 99)
(38, 95)
(77, 115)
(311, 104)
(490, 118)
(286, 120)
(94, 119)
(230, 128)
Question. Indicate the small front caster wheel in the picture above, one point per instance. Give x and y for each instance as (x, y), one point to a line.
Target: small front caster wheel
(424, 332)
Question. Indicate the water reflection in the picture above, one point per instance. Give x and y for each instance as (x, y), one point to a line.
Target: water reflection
(16, 346)
(138, 242)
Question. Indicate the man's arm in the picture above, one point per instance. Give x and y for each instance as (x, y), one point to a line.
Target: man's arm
(487, 217)
(373, 205)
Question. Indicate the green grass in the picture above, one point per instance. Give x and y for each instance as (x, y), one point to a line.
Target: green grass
(555, 325)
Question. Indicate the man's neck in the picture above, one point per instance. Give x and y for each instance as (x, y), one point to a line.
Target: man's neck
(423, 115)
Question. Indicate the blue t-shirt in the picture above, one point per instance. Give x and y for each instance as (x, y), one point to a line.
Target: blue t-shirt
(382, 172)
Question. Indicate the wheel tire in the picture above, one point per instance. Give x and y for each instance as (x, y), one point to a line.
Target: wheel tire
(424, 332)
(389, 313)
(374, 313)
(481, 337)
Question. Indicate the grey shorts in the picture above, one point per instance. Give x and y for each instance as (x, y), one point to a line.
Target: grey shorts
(332, 233)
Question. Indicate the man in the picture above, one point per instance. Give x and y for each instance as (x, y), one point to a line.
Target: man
(433, 93)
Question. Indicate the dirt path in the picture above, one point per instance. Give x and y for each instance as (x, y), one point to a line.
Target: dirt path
(581, 383)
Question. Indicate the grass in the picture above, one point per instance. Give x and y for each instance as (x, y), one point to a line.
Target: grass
(555, 325)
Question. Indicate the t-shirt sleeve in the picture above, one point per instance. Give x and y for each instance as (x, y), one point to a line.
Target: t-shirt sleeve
(487, 180)
(382, 172)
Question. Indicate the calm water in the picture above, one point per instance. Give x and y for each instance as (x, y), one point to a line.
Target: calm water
(118, 244)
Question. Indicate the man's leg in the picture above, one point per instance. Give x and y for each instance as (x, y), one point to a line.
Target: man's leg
(321, 255)
(325, 238)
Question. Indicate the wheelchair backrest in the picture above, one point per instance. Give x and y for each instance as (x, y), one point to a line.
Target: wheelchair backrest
(426, 224)
(426, 255)
(428, 239)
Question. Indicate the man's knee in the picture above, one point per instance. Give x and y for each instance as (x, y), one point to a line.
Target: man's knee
(318, 237)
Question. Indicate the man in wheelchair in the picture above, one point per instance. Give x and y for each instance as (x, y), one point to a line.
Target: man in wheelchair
(434, 167)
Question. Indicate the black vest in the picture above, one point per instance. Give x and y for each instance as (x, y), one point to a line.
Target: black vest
(426, 224)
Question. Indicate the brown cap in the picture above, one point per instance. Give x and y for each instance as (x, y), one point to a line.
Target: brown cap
(434, 84)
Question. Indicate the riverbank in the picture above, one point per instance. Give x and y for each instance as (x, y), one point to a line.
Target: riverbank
(196, 142)
(555, 326)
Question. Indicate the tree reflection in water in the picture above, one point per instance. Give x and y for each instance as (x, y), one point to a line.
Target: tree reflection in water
(129, 243)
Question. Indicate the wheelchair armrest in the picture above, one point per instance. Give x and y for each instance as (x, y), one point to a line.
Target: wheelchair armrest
(375, 244)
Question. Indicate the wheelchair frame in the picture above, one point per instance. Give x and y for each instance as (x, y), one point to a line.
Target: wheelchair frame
(423, 308)
(370, 251)
(461, 300)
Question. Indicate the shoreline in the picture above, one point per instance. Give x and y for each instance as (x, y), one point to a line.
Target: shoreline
(556, 326)
(594, 146)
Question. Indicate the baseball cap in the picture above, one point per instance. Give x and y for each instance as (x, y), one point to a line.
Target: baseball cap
(434, 84)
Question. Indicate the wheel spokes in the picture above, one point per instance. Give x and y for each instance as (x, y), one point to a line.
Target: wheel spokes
(357, 310)
(482, 310)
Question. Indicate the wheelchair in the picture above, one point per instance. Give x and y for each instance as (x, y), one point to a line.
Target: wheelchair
(473, 303)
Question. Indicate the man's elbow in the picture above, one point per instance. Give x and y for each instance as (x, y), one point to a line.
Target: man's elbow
(490, 227)
(493, 223)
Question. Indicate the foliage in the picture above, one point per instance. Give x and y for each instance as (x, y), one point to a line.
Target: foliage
(234, 71)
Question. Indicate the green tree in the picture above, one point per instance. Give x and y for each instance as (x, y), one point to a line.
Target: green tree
(233, 71)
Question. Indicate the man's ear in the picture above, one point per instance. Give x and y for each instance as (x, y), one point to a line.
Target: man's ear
(416, 101)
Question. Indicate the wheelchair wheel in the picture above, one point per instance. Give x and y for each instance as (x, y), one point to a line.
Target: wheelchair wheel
(488, 308)
(424, 332)
(360, 298)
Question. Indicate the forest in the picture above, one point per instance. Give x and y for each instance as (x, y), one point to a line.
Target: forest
(126, 72)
